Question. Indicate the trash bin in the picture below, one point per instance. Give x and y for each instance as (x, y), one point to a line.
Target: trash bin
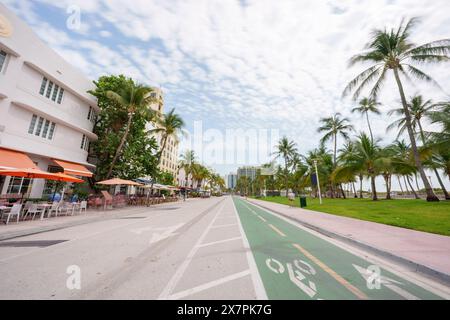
(302, 201)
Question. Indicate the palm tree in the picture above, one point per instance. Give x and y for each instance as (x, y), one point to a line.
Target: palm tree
(393, 50)
(403, 163)
(286, 150)
(135, 99)
(419, 109)
(334, 126)
(168, 125)
(367, 105)
(367, 157)
(187, 162)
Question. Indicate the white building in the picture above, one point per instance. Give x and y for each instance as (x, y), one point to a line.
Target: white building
(169, 157)
(46, 114)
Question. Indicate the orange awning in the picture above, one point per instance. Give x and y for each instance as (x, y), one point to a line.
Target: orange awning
(39, 174)
(73, 168)
(10, 159)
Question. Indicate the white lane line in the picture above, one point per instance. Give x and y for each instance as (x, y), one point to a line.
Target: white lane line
(218, 242)
(256, 277)
(224, 225)
(170, 286)
(209, 285)
(264, 220)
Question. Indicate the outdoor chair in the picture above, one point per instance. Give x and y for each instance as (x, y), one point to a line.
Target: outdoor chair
(54, 208)
(83, 206)
(33, 210)
(15, 211)
(107, 198)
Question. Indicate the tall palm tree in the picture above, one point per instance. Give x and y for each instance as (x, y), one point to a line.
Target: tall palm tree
(332, 127)
(168, 126)
(286, 150)
(393, 51)
(135, 98)
(367, 105)
(187, 162)
(419, 109)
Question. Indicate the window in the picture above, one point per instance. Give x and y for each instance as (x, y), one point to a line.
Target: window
(61, 93)
(51, 90)
(19, 185)
(41, 127)
(91, 115)
(55, 93)
(3, 56)
(43, 86)
(85, 143)
(32, 124)
(52, 130)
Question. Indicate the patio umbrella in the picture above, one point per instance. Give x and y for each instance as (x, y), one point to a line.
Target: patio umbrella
(33, 173)
(117, 181)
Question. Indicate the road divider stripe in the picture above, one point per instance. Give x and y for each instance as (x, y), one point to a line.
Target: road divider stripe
(358, 293)
(277, 230)
(218, 242)
(264, 220)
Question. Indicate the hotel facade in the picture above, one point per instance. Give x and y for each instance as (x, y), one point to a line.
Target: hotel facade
(169, 157)
(46, 114)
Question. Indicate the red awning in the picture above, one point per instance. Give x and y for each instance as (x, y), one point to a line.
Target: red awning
(10, 159)
(73, 168)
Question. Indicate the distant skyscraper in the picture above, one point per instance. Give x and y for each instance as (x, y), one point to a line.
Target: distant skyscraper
(230, 180)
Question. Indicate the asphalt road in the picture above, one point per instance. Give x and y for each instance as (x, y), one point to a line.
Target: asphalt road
(217, 248)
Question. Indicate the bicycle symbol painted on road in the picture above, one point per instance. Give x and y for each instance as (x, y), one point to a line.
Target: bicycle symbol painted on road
(297, 274)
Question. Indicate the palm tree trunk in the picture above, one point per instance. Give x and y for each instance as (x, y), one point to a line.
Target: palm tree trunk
(370, 129)
(430, 194)
(374, 190)
(399, 183)
(410, 185)
(417, 183)
(447, 196)
(120, 147)
(388, 187)
(360, 186)
(342, 191)
(286, 177)
(355, 195)
(406, 185)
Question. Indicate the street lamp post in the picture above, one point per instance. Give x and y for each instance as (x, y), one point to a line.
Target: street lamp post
(318, 182)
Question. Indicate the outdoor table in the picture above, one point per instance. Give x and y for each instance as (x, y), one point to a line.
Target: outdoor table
(44, 207)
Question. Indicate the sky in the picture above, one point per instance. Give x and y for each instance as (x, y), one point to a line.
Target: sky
(252, 65)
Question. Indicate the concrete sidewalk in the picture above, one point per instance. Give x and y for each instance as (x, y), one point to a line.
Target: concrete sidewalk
(428, 253)
(25, 228)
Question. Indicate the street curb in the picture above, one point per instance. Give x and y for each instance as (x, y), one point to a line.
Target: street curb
(37, 230)
(441, 276)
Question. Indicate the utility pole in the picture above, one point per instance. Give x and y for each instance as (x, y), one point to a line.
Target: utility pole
(318, 182)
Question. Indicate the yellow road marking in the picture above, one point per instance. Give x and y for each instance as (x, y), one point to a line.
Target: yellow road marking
(338, 278)
(277, 230)
(262, 218)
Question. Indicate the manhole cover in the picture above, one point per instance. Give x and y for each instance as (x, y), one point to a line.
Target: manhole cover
(36, 243)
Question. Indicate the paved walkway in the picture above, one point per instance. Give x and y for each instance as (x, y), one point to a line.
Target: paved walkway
(429, 252)
(23, 228)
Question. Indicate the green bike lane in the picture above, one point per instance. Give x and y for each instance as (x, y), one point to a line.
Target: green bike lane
(296, 264)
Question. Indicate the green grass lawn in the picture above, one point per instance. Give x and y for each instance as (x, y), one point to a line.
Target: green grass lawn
(411, 214)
